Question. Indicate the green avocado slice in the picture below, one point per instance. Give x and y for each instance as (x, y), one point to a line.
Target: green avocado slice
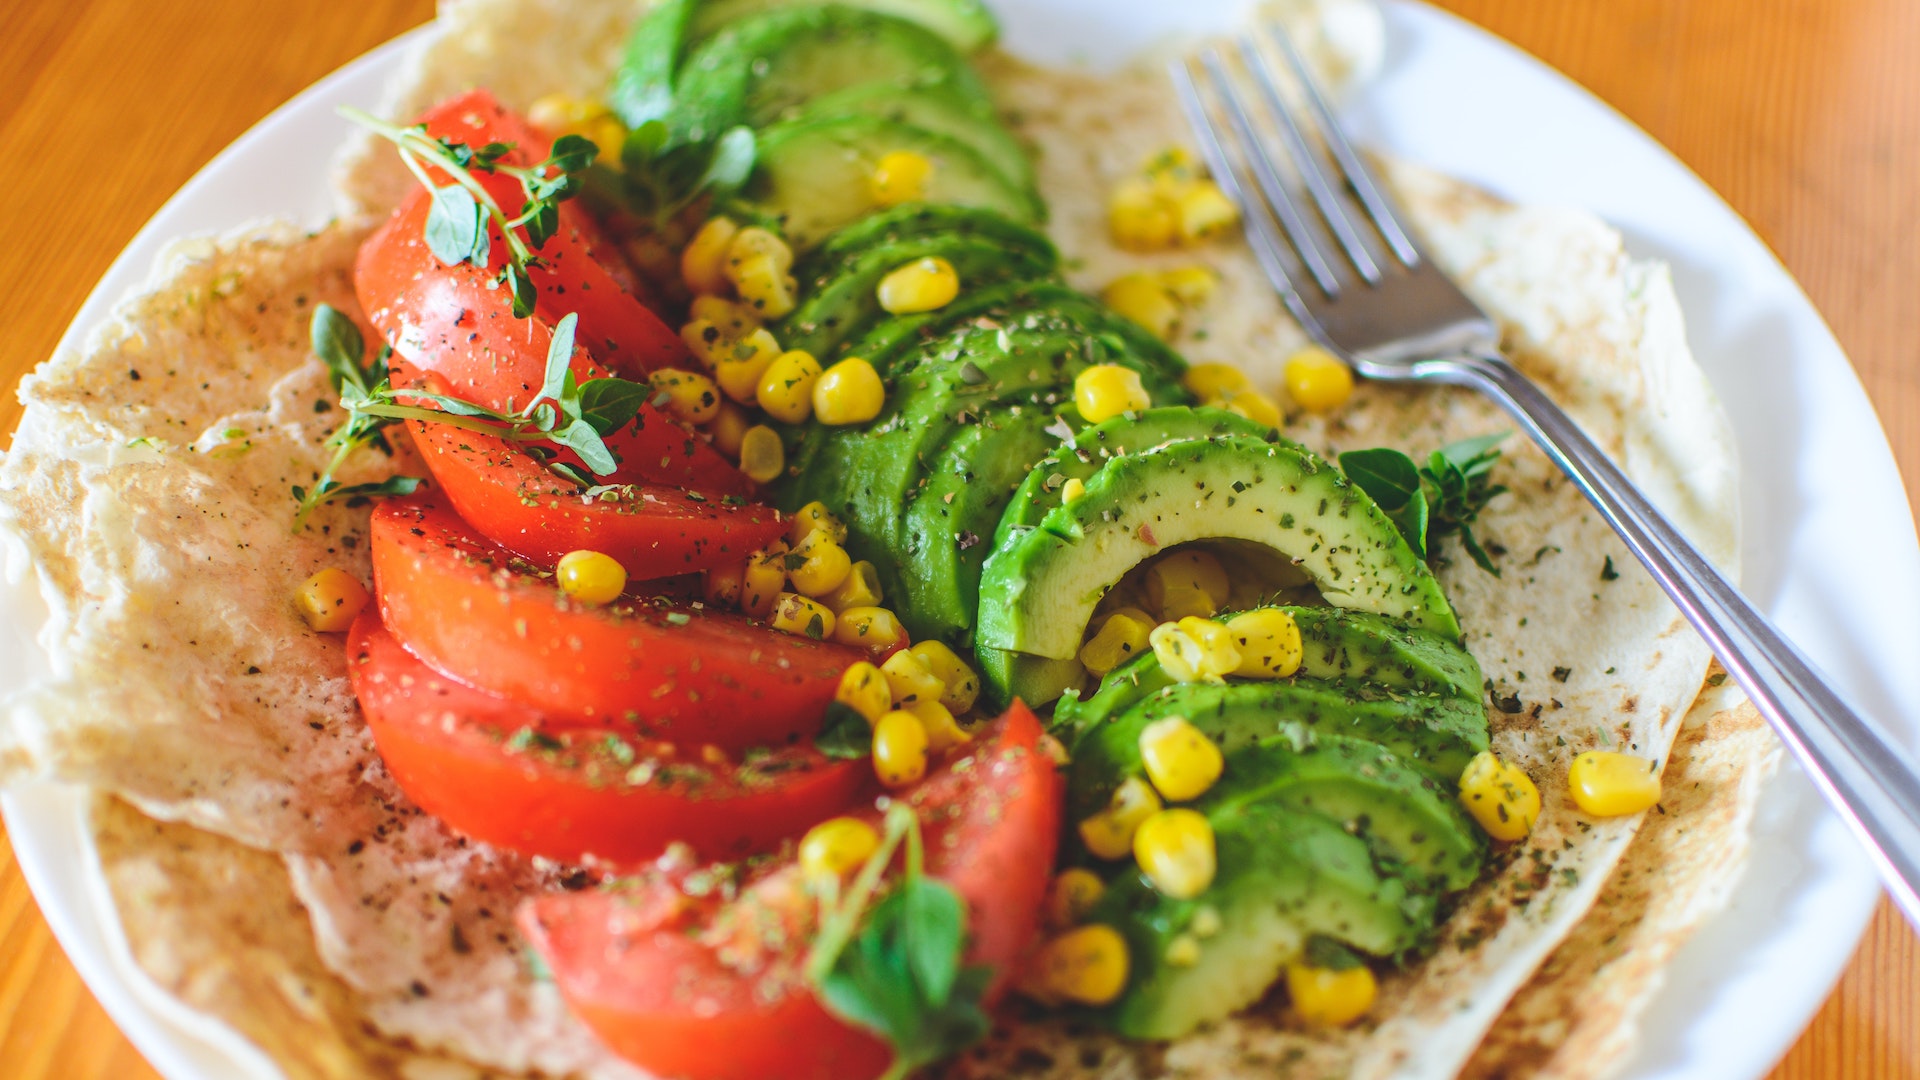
(911, 220)
(966, 24)
(936, 109)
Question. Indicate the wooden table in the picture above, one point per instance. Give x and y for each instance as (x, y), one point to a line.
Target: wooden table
(1804, 114)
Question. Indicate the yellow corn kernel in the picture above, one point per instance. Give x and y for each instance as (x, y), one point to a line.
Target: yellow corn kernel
(796, 614)
(706, 342)
(1071, 491)
(689, 395)
(1255, 406)
(1104, 391)
(821, 564)
(1269, 643)
(899, 748)
(1121, 637)
(764, 286)
(562, 114)
(723, 584)
(1139, 219)
(735, 319)
(900, 176)
(1142, 298)
(861, 589)
(1195, 650)
(762, 579)
(837, 847)
(922, 285)
(912, 679)
(1325, 997)
(786, 389)
(703, 264)
(1187, 582)
(1109, 833)
(729, 428)
(1180, 760)
(1190, 285)
(1606, 783)
(815, 517)
(1209, 381)
(754, 242)
(873, 628)
(1317, 380)
(963, 684)
(1087, 965)
(330, 599)
(740, 364)
(849, 392)
(864, 690)
(1499, 796)
(1175, 851)
(1203, 210)
(591, 577)
(943, 731)
(1073, 893)
(762, 456)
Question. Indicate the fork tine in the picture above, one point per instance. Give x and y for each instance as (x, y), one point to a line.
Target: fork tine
(1312, 174)
(1359, 177)
(1277, 196)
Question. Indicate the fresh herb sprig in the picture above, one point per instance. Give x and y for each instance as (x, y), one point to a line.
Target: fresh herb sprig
(1435, 500)
(464, 213)
(663, 177)
(338, 344)
(892, 962)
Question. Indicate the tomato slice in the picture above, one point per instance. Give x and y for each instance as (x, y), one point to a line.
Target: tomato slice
(698, 987)
(653, 530)
(473, 611)
(502, 773)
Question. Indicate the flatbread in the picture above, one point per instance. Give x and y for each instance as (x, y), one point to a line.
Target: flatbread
(153, 515)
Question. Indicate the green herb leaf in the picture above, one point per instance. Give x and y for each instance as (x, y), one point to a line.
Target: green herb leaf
(1388, 476)
(1430, 502)
(611, 404)
(1325, 952)
(582, 439)
(456, 229)
(934, 929)
(732, 162)
(559, 359)
(339, 345)
(845, 735)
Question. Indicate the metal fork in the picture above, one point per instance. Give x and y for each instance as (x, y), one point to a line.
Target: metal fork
(1334, 246)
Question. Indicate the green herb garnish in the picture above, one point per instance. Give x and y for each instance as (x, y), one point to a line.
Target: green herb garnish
(1432, 501)
(662, 176)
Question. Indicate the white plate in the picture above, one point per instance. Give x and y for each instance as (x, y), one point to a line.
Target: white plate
(1830, 550)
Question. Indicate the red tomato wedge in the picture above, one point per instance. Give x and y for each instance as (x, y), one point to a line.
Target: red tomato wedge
(653, 530)
(501, 773)
(475, 612)
(695, 987)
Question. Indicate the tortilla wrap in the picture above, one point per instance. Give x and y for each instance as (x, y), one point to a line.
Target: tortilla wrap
(274, 877)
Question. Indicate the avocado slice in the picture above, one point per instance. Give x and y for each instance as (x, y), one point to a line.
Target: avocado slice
(643, 86)
(910, 220)
(936, 109)
(812, 176)
(1036, 680)
(966, 24)
(1041, 586)
(843, 303)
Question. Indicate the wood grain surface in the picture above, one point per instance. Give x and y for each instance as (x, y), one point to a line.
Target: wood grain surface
(1804, 114)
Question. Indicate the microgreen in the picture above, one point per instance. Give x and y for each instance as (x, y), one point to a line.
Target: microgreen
(845, 734)
(891, 961)
(464, 214)
(663, 177)
(1432, 501)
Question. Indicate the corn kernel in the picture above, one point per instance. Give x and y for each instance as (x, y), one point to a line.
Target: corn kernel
(786, 389)
(1071, 491)
(330, 599)
(1139, 219)
(1104, 391)
(706, 342)
(1073, 893)
(849, 392)
(900, 176)
(1209, 381)
(754, 242)
(837, 847)
(591, 577)
(733, 319)
(740, 364)
(729, 428)
(796, 614)
(899, 748)
(1142, 298)
(1195, 650)
(1182, 951)
(1187, 582)
(1606, 783)
(703, 264)
(1121, 637)
(1499, 796)
(762, 456)
(762, 579)
(1109, 833)
(690, 396)
(1203, 210)
(864, 690)
(815, 517)
(1190, 285)
(1087, 965)
(963, 685)
(1317, 380)
(1255, 406)
(860, 590)
(1325, 997)
(723, 585)
(761, 282)
(872, 628)
(1180, 760)
(922, 285)
(1269, 643)
(911, 679)
(820, 564)
(1175, 851)
(563, 114)
(943, 731)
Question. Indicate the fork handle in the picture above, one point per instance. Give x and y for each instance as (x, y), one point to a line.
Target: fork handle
(1866, 776)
